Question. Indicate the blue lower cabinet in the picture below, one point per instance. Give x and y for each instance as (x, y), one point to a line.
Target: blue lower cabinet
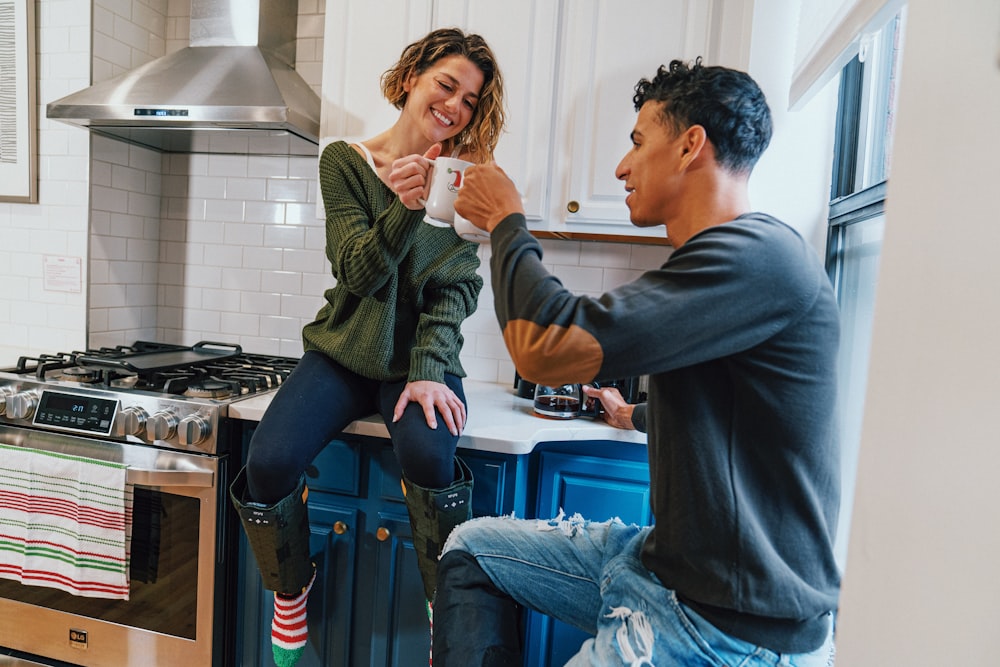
(333, 544)
(599, 481)
(367, 606)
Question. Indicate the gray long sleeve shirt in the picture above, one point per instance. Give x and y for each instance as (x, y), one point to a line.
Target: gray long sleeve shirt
(738, 332)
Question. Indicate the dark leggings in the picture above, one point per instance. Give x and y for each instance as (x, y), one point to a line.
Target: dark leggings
(317, 401)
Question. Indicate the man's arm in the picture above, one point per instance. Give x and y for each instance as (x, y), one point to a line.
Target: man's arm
(617, 412)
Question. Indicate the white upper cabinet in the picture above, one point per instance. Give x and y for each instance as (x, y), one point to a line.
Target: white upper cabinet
(570, 69)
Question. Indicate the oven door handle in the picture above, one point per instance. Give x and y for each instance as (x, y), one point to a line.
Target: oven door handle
(199, 478)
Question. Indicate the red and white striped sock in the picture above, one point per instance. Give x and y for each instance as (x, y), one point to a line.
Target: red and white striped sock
(289, 631)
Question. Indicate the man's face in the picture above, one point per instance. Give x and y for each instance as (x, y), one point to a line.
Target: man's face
(649, 169)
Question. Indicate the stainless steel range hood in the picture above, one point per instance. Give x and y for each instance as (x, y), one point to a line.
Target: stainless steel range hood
(233, 90)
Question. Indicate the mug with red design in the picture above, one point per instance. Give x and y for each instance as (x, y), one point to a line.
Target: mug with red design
(446, 179)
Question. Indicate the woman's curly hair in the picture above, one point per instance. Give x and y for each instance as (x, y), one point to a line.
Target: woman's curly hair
(480, 136)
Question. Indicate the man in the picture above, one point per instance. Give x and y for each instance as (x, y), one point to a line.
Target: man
(738, 332)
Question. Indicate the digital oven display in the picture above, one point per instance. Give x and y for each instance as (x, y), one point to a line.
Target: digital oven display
(86, 414)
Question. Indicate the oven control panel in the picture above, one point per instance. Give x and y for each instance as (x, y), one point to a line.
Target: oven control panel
(83, 414)
(132, 416)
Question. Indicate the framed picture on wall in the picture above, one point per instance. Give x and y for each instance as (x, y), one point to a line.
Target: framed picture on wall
(18, 136)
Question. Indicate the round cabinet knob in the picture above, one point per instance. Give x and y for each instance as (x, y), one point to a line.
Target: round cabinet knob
(382, 534)
(340, 527)
(131, 421)
(5, 393)
(161, 426)
(193, 430)
(573, 206)
(22, 406)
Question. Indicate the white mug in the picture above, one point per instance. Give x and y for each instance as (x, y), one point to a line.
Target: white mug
(446, 179)
(469, 231)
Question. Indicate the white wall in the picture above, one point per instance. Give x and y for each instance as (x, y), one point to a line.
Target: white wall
(34, 318)
(922, 585)
(187, 248)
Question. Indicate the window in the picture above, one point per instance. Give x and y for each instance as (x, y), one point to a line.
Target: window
(862, 151)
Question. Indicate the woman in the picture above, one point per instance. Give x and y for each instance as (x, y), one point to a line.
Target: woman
(388, 338)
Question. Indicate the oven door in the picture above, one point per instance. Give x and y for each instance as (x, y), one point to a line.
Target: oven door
(169, 617)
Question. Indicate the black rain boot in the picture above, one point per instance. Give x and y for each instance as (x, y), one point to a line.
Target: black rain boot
(433, 515)
(278, 535)
(478, 625)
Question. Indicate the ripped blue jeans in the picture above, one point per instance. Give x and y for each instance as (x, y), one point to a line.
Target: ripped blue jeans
(589, 575)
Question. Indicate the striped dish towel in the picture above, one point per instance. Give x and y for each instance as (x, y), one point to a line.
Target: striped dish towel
(65, 522)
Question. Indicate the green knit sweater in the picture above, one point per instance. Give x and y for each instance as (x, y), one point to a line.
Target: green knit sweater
(403, 287)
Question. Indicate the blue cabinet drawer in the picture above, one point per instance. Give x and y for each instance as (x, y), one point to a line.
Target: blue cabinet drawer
(598, 488)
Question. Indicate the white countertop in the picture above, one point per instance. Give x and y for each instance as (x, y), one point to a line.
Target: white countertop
(499, 421)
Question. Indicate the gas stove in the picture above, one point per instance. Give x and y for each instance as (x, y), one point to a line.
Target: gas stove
(159, 394)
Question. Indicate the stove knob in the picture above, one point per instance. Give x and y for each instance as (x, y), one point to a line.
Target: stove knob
(131, 421)
(22, 405)
(5, 394)
(161, 426)
(193, 430)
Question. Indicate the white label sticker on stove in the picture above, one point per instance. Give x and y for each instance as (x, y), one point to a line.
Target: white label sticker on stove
(62, 274)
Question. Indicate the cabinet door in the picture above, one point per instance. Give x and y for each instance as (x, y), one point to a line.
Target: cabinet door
(333, 544)
(599, 489)
(362, 39)
(391, 618)
(523, 35)
(608, 46)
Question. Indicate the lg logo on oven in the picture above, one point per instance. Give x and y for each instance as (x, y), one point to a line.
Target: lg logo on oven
(77, 638)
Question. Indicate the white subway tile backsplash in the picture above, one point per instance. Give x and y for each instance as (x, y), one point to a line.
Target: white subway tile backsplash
(303, 214)
(313, 261)
(267, 166)
(109, 199)
(240, 324)
(286, 190)
(140, 296)
(246, 189)
(260, 303)
(303, 307)
(143, 204)
(263, 258)
(604, 255)
(318, 284)
(202, 320)
(264, 212)
(221, 300)
(230, 247)
(205, 231)
(280, 327)
(142, 250)
(241, 279)
(171, 275)
(108, 247)
(224, 210)
(616, 277)
(208, 187)
(284, 236)
(228, 165)
(282, 282)
(580, 278)
(225, 255)
(302, 167)
(243, 234)
(107, 295)
(124, 273)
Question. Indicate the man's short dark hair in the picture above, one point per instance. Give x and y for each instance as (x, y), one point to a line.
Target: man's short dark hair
(726, 102)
